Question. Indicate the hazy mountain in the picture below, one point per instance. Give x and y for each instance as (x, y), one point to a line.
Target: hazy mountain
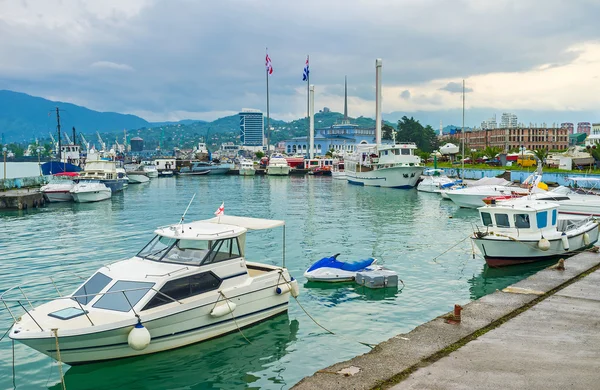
(24, 117)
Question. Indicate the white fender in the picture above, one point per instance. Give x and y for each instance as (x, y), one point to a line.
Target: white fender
(139, 337)
(223, 308)
(565, 241)
(283, 288)
(295, 289)
(544, 244)
(586, 239)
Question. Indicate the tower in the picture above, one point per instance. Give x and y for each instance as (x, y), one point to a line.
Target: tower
(345, 98)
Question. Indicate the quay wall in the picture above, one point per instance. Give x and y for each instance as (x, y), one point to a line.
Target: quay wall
(22, 182)
(518, 176)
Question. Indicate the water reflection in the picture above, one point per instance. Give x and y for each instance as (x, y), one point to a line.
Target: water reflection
(228, 362)
(333, 294)
(492, 279)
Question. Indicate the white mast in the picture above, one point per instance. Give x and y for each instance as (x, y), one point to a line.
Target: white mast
(378, 64)
(311, 113)
(463, 130)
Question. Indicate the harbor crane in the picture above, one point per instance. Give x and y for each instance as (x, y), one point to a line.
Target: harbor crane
(102, 144)
(84, 143)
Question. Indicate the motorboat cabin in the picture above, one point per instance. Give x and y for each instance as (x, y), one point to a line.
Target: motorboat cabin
(190, 283)
(526, 230)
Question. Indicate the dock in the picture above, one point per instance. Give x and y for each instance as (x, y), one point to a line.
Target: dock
(21, 199)
(541, 333)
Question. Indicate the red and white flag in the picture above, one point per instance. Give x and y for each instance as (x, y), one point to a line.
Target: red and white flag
(221, 209)
(268, 64)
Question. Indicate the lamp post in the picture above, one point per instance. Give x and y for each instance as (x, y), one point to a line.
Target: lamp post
(39, 161)
(4, 152)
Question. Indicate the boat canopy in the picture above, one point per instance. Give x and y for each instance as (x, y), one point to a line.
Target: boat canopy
(201, 231)
(246, 222)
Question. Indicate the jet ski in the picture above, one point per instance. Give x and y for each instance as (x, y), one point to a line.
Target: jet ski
(329, 269)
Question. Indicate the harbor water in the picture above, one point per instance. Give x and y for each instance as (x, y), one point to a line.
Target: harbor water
(419, 235)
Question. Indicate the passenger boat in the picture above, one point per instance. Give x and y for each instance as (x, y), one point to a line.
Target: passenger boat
(190, 283)
(247, 168)
(59, 187)
(90, 191)
(526, 230)
(435, 180)
(278, 165)
(330, 269)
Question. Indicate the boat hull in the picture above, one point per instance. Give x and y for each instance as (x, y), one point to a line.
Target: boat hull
(278, 170)
(137, 178)
(54, 167)
(115, 185)
(247, 172)
(91, 196)
(500, 252)
(394, 177)
(58, 196)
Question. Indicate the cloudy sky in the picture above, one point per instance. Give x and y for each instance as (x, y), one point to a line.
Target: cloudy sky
(177, 59)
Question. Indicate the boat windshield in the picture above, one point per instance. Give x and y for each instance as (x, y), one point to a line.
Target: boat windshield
(193, 252)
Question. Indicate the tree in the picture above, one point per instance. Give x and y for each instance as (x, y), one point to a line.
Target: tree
(386, 131)
(410, 130)
(259, 155)
(330, 153)
(491, 151)
(541, 155)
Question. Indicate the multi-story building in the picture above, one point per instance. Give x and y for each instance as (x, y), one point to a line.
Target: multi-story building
(508, 121)
(342, 138)
(490, 123)
(584, 127)
(594, 137)
(252, 127)
(550, 138)
(569, 126)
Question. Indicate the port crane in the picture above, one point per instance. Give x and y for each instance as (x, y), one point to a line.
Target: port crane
(102, 144)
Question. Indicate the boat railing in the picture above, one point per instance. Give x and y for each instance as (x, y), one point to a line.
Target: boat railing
(564, 225)
(18, 302)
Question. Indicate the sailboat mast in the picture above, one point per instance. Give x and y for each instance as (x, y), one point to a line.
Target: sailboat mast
(58, 128)
(463, 129)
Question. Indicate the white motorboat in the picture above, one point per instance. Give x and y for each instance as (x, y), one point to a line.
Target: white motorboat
(90, 191)
(484, 181)
(472, 197)
(329, 269)
(435, 180)
(106, 171)
(394, 166)
(59, 187)
(247, 168)
(527, 230)
(278, 165)
(149, 168)
(136, 174)
(338, 172)
(190, 283)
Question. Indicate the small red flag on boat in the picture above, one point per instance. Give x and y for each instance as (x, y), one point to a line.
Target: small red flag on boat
(221, 209)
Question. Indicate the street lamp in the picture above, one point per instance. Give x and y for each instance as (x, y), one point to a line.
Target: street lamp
(39, 161)
(4, 152)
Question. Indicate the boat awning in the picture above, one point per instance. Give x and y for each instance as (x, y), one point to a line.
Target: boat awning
(247, 222)
(583, 178)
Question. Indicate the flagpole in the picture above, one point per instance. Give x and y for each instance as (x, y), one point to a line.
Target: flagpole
(268, 119)
(308, 108)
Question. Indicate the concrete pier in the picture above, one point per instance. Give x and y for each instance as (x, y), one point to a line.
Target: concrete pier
(21, 199)
(541, 333)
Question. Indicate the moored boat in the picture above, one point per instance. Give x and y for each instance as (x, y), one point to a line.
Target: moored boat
(278, 165)
(87, 191)
(205, 168)
(247, 168)
(435, 180)
(59, 187)
(330, 269)
(525, 230)
(105, 171)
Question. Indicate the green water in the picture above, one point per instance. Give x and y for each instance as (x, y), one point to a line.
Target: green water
(405, 230)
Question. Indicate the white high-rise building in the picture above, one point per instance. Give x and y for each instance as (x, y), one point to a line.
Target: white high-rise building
(490, 123)
(252, 128)
(508, 121)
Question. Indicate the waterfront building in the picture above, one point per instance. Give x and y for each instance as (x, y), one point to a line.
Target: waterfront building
(342, 138)
(508, 120)
(584, 127)
(569, 126)
(594, 137)
(532, 138)
(252, 127)
(490, 123)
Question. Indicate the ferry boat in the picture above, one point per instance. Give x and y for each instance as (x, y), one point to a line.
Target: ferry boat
(526, 230)
(190, 283)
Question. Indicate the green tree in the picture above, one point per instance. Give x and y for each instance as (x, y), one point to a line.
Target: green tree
(410, 130)
(491, 151)
(330, 153)
(541, 155)
(259, 155)
(386, 131)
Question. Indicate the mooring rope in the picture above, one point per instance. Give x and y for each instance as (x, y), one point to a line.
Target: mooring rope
(5, 333)
(232, 316)
(452, 247)
(62, 378)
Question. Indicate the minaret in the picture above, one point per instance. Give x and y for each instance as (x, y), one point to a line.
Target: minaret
(345, 98)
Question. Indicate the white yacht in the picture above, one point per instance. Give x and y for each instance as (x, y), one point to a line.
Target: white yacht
(59, 187)
(149, 168)
(278, 165)
(190, 283)
(90, 191)
(247, 168)
(526, 230)
(136, 174)
(435, 180)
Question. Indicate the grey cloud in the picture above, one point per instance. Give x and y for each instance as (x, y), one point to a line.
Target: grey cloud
(405, 94)
(455, 88)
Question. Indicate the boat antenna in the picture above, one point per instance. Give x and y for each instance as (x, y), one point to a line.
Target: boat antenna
(186, 210)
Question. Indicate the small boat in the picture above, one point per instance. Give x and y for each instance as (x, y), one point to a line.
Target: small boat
(149, 169)
(329, 269)
(205, 168)
(247, 168)
(189, 284)
(321, 171)
(338, 171)
(165, 173)
(105, 171)
(526, 230)
(59, 187)
(90, 191)
(435, 180)
(136, 174)
(278, 165)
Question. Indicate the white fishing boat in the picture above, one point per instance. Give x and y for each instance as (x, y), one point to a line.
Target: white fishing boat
(59, 187)
(383, 165)
(190, 283)
(472, 197)
(90, 191)
(278, 165)
(136, 174)
(435, 180)
(247, 168)
(526, 230)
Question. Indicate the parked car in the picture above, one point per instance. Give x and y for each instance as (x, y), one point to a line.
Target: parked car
(481, 160)
(494, 162)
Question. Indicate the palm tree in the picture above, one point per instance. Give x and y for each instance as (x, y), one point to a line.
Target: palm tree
(541, 155)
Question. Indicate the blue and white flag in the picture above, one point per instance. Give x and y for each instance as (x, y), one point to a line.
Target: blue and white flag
(305, 74)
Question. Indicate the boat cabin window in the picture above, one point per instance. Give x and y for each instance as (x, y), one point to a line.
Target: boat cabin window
(93, 286)
(156, 248)
(542, 219)
(223, 250)
(554, 212)
(405, 152)
(522, 221)
(195, 252)
(486, 218)
(184, 288)
(123, 295)
(502, 220)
